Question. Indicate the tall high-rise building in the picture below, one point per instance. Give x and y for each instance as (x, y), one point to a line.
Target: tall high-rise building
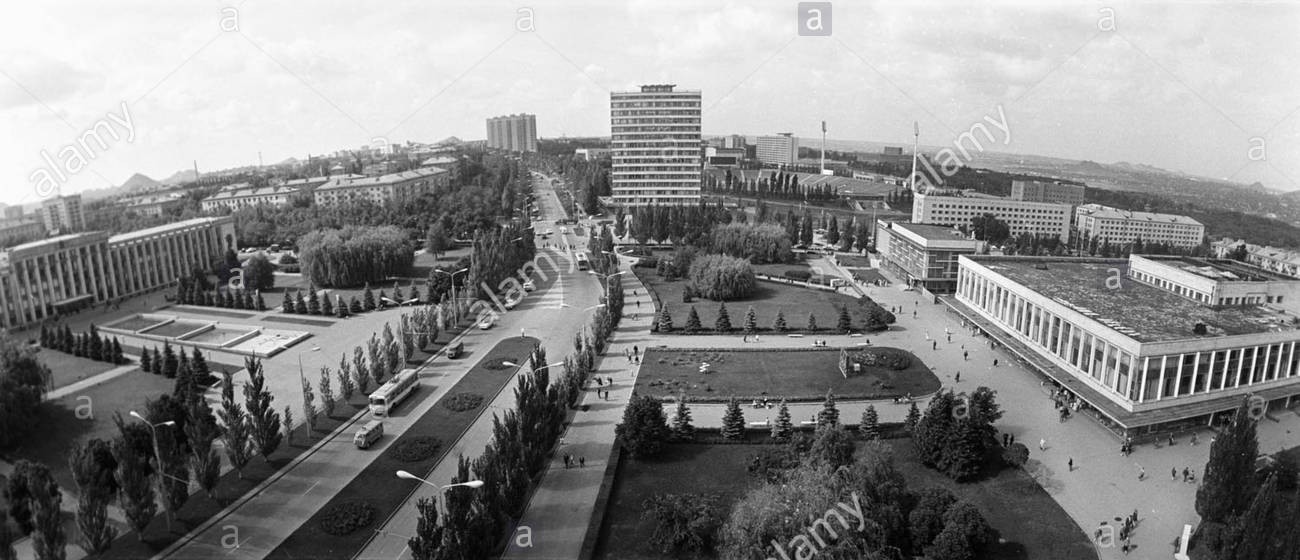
(782, 149)
(514, 133)
(655, 145)
(62, 214)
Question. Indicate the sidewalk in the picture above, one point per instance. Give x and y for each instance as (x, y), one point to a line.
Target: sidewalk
(562, 505)
(95, 380)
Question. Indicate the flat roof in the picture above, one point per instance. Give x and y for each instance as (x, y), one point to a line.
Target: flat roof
(53, 240)
(1141, 312)
(1106, 212)
(932, 232)
(355, 181)
(1222, 270)
(150, 232)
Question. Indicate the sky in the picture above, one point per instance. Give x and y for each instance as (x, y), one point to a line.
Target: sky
(1205, 88)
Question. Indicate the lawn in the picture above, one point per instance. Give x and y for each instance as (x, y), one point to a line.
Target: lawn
(795, 375)
(1035, 527)
(68, 369)
(795, 302)
(376, 484)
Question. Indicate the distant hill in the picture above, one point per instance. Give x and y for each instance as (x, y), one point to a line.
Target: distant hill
(137, 183)
(182, 176)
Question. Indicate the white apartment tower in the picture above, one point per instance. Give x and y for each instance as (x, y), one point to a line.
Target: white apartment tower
(655, 145)
(782, 149)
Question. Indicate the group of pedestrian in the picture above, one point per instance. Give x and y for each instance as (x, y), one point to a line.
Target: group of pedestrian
(1130, 523)
(633, 356)
(604, 382)
(1189, 475)
(569, 461)
(1008, 439)
(1126, 448)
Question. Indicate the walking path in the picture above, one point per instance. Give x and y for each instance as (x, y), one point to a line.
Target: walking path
(95, 380)
(559, 513)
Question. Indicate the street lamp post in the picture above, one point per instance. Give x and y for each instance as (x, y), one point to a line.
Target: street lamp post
(153, 432)
(441, 489)
(455, 306)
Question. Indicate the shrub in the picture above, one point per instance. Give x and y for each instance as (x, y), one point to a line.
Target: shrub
(759, 243)
(416, 449)
(772, 463)
(684, 523)
(347, 517)
(887, 358)
(1016, 455)
(648, 262)
(721, 278)
(461, 402)
(798, 274)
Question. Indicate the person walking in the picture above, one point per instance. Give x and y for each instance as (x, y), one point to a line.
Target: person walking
(1184, 474)
(636, 351)
(995, 362)
(1071, 464)
(1042, 444)
(566, 460)
(582, 462)
(934, 345)
(1173, 474)
(965, 355)
(958, 378)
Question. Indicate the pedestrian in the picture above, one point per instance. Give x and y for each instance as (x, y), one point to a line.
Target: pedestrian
(995, 362)
(1193, 439)
(521, 334)
(965, 355)
(1013, 439)
(1135, 516)
(582, 462)
(1184, 474)
(1173, 473)
(566, 461)
(1171, 440)
(958, 378)
(913, 314)
(636, 351)
(934, 345)
(950, 338)
(1071, 464)
(638, 304)
(1042, 444)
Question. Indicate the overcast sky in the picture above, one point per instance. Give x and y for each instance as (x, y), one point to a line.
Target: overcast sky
(1185, 86)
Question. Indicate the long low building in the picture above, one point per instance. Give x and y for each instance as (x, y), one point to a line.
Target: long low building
(924, 256)
(394, 187)
(1035, 218)
(1150, 343)
(43, 279)
(1122, 227)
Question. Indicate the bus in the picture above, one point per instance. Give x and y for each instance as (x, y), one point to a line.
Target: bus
(582, 261)
(390, 394)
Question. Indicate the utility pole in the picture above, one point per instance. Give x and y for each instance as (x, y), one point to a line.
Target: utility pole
(916, 141)
(823, 171)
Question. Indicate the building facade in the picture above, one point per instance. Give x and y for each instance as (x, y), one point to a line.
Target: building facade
(924, 256)
(62, 214)
(1282, 261)
(655, 146)
(515, 133)
(395, 187)
(1036, 218)
(1124, 226)
(42, 279)
(733, 141)
(20, 230)
(782, 149)
(250, 197)
(1043, 191)
(1142, 341)
(154, 204)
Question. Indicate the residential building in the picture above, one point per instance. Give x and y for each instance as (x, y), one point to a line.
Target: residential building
(154, 204)
(20, 230)
(249, 197)
(782, 149)
(924, 256)
(13, 212)
(588, 154)
(1043, 191)
(1273, 259)
(724, 156)
(894, 151)
(43, 279)
(733, 141)
(62, 214)
(1146, 343)
(515, 133)
(655, 145)
(1037, 218)
(395, 187)
(1122, 227)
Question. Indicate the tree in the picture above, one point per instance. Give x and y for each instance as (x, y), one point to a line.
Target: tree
(778, 324)
(344, 375)
(721, 277)
(988, 227)
(693, 321)
(685, 524)
(360, 373)
(812, 322)
(7, 538)
(1228, 484)
(644, 427)
(170, 364)
(845, 323)
(926, 520)
(833, 231)
(723, 322)
(682, 429)
(913, 417)
(18, 492)
(665, 322)
(870, 426)
(436, 242)
(427, 542)
(145, 363)
(202, 431)
(136, 491)
(326, 306)
(829, 415)
(833, 447)
(48, 538)
(265, 421)
(300, 304)
(287, 420)
(733, 421)
(237, 434)
(22, 388)
(259, 273)
(313, 301)
(288, 305)
(751, 321)
(1254, 535)
(355, 306)
(326, 391)
(309, 410)
(783, 428)
(368, 299)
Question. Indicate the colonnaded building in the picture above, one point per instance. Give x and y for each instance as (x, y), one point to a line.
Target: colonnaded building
(1151, 343)
(41, 279)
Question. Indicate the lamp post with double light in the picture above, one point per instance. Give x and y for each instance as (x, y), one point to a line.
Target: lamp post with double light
(157, 453)
(441, 488)
(455, 306)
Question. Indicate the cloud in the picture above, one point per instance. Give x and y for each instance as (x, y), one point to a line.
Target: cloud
(35, 78)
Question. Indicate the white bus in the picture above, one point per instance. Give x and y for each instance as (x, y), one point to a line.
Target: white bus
(582, 261)
(390, 394)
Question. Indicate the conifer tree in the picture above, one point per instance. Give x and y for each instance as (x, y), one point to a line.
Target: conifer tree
(723, 322)
(313, 300)
(665, 322)
(260, 303)
(288, 305)
(783, 428)
(845, 323)
(778, 324)
(326, 306)
(913, 417)
(829, 415)
(812, 322)
(156, 363)
(146, 362)
(870, 426)
(693, 321)
(1228, 483)
(263, 417)
(300, 304)
(170, 364)
(236, 435)
(368, 299)
(751, 321)
(733, 421)
(683, 429)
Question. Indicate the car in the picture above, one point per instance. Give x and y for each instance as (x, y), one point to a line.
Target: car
(564, 229)
(485, 324)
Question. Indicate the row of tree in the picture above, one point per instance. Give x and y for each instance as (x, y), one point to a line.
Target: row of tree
(877, 318)
(90, 345)
(187, 293)
(770, 184)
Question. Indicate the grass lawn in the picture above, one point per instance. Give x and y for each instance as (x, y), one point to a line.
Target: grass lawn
(798, 375)
(377, 486)
(853, 260)
(795, 302)
(1034, 526)
(67, 369)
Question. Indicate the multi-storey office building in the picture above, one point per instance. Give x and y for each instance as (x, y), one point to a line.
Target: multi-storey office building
(41, 279)
(1037, 218)
(394, 187)
(923, 255)
(782, 149)
(1124, 226)
(1146, 342)
(1273, 259)
(515, 133)
(250, 197)
(153, 204)
(62, 214)
(655, 145)
(20, 230)
(1043, 191)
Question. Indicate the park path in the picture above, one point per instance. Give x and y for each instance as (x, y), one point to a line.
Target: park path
(95, 380)
(559, 513)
